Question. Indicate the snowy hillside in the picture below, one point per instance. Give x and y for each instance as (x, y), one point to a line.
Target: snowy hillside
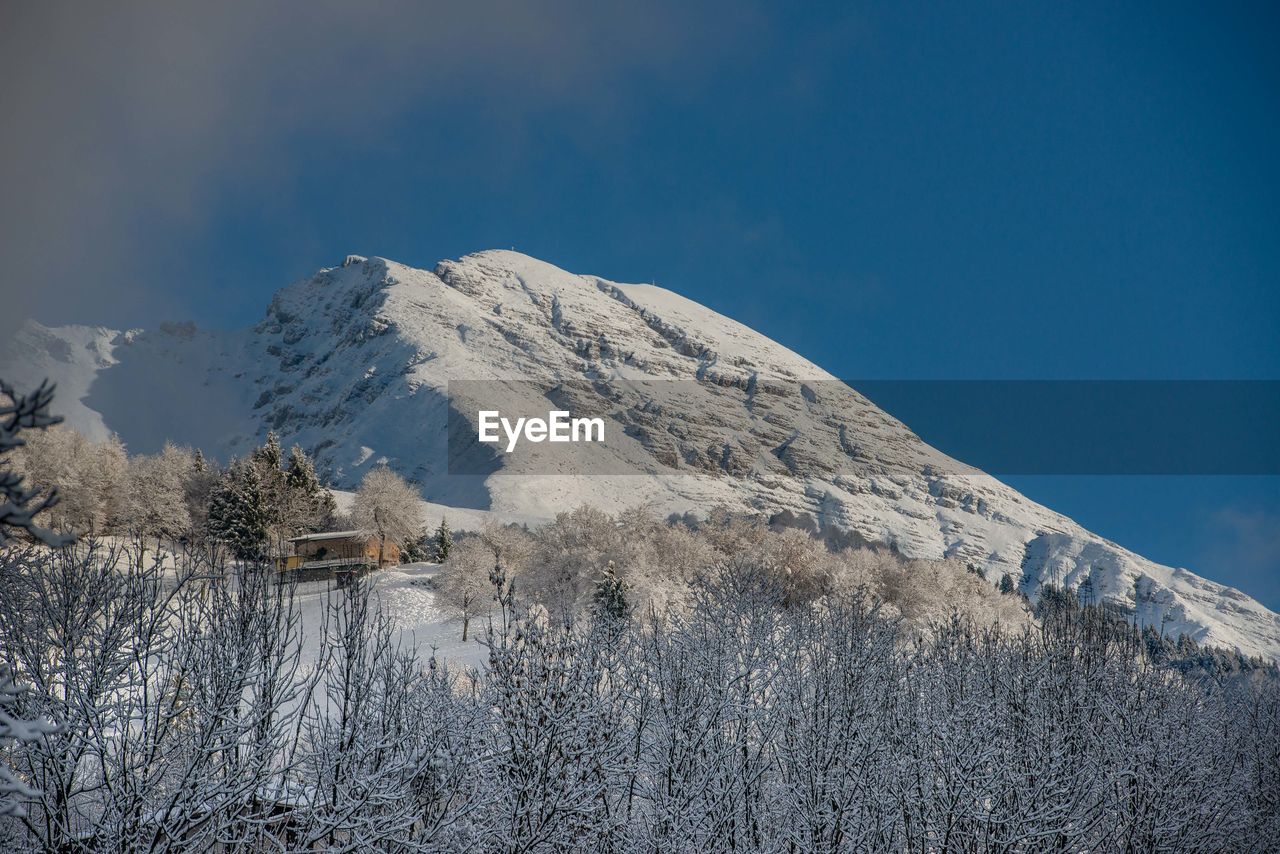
(355, 364)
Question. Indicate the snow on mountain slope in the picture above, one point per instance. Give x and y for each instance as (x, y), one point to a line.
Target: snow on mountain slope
(71, 357)
(362, 364)
(176, 382)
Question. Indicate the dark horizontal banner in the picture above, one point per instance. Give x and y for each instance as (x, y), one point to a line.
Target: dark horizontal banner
(1184, 427)
(743, 424)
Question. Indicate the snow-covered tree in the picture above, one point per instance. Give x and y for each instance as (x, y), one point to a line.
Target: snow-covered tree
(175, 696)
(882, 704)
(156, 492)
(14, 728)
(610, 601)
(19, 503)
(568, 554)
(238, 512)
(427, 545)
(419, 548)
(373, 760)
(257, 505)
(464, 587)
(306, 504)
(558, 738)
(1086, 592)
(387, 508)
(281, 512)
(443, 541)
(19, 506)
(90, 476)
(202, 480)
(269, 456)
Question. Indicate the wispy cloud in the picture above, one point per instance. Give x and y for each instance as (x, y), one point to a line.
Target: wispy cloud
(123, 121)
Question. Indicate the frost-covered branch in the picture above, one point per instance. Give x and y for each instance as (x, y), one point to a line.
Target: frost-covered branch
(19, 505)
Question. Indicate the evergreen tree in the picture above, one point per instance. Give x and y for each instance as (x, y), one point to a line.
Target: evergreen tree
(268, 460)
(269, 456)
(418, 549)
(443, 541)
(293, 501)
(310, 506)
(611, 595)
(238, 512)
(1006, 584)
(201, 483)
(20, 504)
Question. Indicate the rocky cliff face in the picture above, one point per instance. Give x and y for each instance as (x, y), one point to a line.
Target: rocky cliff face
(373, 361)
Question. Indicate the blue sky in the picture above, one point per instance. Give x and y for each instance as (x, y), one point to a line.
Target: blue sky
(1025, 191)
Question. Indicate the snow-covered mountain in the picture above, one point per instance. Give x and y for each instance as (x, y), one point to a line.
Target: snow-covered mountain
(356, 365)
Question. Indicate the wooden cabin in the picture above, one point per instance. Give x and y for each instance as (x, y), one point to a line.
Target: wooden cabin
(336, 553)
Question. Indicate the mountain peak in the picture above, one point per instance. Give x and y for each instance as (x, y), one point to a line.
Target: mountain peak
(355, 365)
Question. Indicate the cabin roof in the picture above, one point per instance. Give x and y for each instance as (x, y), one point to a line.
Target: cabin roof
(329, 535)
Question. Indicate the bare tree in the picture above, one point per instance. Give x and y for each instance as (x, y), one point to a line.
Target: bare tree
(789, 699)
(157, 496)
(387, 508)
(14, 729)
(88, 476)
(19, 506)
(557, 737)
(463, 582)
(376, 773)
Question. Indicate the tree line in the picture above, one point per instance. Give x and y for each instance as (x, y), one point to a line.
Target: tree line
(176, 496)
(647, 686)
(195, 711)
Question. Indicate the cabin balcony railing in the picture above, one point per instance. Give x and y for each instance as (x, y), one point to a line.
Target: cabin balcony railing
(298, 562)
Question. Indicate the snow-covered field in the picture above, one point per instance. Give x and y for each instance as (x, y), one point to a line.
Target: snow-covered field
(404, 593)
